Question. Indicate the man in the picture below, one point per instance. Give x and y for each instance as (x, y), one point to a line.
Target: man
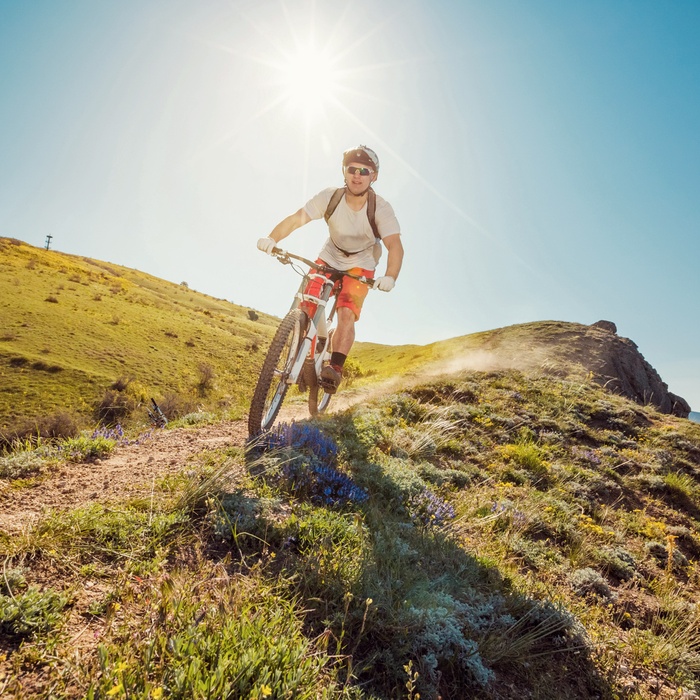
(352, 246)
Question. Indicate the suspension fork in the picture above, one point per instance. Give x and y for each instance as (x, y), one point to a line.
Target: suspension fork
(313, 326)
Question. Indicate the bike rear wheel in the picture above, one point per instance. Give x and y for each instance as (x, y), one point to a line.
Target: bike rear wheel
(272, 383)
(318, 399)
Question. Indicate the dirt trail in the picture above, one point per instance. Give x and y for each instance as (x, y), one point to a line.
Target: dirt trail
(131, 469)
(128, 472)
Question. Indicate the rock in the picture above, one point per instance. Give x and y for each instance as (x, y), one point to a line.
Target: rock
(566, 349)
(624, 370)
(606, 326)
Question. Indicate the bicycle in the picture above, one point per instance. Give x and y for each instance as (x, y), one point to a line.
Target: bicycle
(300, 347)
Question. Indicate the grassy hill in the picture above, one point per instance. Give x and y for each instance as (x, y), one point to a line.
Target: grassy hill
(77, 334)
(484, 535)
(83, 341)
(494, 524)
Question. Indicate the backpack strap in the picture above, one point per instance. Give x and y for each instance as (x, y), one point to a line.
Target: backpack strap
(371, 208)
(333, 204)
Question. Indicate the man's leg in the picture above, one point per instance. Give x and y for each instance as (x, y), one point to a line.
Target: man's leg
(343, 338)
(344, 335)
(350, 300)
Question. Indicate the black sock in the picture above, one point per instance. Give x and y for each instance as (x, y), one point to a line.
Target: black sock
(338, 359)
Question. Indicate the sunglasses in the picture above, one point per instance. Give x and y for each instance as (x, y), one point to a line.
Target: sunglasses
(352, 170)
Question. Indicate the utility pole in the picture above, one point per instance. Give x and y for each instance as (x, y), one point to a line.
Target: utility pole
(48, 241)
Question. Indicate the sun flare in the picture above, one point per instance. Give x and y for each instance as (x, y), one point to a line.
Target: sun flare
(310, 79)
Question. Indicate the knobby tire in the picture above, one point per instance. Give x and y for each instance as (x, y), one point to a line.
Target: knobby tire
(318, 398)
(272, 383)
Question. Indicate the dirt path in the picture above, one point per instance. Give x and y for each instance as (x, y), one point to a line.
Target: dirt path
(131, 469)
(128, 472)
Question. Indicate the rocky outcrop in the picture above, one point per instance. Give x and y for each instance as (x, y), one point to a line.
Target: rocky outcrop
(618, 365)
(574, 349)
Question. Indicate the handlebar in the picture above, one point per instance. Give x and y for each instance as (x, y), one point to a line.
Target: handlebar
(286, 259)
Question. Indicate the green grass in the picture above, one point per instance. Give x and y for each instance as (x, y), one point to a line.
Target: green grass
(524, 534)
(507, 541)
(109, 323)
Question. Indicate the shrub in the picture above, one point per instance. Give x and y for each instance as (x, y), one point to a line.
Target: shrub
(28, 431)
(619, 562)
(589, 582)
(196, 418)
(667, 556)
(114, 407)
(205, 382)
(12, 581)
(31, 612)
(352, 370)
(440, 643)
(87, 449)
(22, 463)
(176, 405)
(121, 384)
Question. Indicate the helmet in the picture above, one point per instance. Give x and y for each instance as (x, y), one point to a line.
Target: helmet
(361, 154)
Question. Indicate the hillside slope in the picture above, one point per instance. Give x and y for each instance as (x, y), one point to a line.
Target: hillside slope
(487, 535)
(554, 348)
(82, 340)
(76, 332)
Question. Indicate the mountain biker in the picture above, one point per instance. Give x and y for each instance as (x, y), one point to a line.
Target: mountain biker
(353, 246)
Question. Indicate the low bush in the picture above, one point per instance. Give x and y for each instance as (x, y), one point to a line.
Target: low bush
(114, 407)
(26, 431)
(31, 612)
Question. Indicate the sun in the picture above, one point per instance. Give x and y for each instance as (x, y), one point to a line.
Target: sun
(310, 79)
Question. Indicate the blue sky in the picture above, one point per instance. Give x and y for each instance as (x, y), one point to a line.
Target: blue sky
(542, 156)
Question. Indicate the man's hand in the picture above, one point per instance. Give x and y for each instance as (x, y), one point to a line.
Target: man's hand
(384, 284)
(266, 244)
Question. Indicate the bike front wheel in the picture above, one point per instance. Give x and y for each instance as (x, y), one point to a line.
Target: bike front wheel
(272, 383)
(318, 398)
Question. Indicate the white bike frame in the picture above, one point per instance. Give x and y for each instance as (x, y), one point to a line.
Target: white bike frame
(316, 327)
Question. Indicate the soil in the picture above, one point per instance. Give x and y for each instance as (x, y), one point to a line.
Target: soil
(131, 470)
(128, 472)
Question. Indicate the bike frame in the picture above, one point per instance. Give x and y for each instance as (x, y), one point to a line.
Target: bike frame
(295, 355)
(318, 325)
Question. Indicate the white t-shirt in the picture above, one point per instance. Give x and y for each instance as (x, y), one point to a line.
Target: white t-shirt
(351, 230)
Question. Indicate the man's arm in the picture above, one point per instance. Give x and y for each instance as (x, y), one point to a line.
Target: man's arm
(395, 256)
(291, 223)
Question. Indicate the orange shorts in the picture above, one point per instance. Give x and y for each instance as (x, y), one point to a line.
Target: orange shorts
(351, 295)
